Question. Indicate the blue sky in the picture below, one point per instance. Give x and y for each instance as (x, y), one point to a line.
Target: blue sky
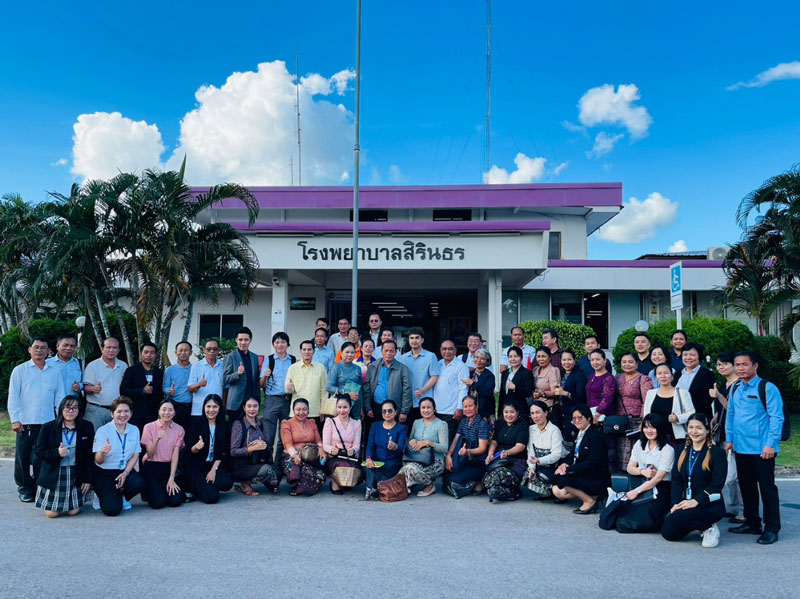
(698, 148)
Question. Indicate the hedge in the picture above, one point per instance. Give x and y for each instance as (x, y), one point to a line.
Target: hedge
(14, 346)
(570, 336)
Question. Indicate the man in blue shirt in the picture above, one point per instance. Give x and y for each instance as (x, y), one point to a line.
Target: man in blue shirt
(590, 343)
(754, 435)
(273, 379)
(423, 367)
(322, 353)
(65, 362)
(176, 383)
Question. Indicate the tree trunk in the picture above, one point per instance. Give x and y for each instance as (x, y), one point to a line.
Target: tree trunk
(133, 358)
(189, 314)
(102, 313)
(93, 318)
(166, 329)
(135, 287)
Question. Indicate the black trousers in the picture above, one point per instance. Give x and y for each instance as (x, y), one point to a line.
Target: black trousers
(105, 487)
(183, 413)
(757, 474)
(156, 475)
(23, 459)
(680, 523)
(452, 426)
(209, 492)
(412, 415)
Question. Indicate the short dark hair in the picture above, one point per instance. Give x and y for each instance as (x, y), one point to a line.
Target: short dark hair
(725, 357)
(642, 334)
(341, 318)
(325, 320)
(323, 329)
(754, 357)
(212, 340)
(583, 410)
(168, 400)
(63, 336)
(544, 349)
(392, 341)
(391, 402)
(628, 353)
(40, 340)
(309, 341)
(598, 351)
(694, 346)
(244, 331)
(515, 327)
(367, 339)
(352, 329)
(300, 400)
(476, 334)
(280, 335)
(542, 406)
(120, 401)
(514, 349)
(550, 332)
(430, 399)
(681, 331)
(345, 345)
(570, 352)
(148, 344)
(178, 344)
(592, 336)
(416, 331)
(378, 314)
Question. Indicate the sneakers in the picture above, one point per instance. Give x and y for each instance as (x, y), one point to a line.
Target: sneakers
(711, 536)
(368, 494)
(126, 505)
(95, 502)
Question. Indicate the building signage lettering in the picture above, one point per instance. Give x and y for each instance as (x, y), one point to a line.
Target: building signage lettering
(407, 252)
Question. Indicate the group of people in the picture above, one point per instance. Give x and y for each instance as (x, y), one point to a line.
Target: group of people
(562, 428)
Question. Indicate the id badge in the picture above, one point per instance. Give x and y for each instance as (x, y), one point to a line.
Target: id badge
(121, 464)
(688, 493)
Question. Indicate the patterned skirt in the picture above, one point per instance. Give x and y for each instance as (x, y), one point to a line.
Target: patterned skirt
(533, 481)
(65, 497)
(304, 479)
(417, 474)
(625, 444)
(503, 483)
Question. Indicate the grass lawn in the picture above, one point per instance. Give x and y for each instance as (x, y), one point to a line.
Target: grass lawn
(7, 437)
(790, 450)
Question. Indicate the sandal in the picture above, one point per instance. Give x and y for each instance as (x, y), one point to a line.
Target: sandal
(248, 492)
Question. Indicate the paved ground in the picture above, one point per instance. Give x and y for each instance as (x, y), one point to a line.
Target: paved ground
(329, 546)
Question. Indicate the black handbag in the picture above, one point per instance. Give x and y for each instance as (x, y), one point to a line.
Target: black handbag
(342, 453)
(500, 463)
(616, 426)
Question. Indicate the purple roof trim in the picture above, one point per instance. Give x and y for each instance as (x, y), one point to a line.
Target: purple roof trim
(632, 263)
(396, 227)
(445, 196)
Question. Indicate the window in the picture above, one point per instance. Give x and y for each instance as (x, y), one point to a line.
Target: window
(220, 325)
(566, 306)
(371, 216)
(452, 215)
(554, 246)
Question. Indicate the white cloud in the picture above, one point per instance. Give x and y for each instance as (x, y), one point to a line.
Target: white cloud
(570, 126)
(396, 175)
(559, 168)
(639, 220)
(59, 162)
(105, 144)
(678, 246)
(604, 106)
(785, 70)
(344, 177)
(603, 144)
(242, 131)
(528, 170)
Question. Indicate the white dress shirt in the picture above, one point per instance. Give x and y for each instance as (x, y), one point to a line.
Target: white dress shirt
(34, 393)
(450, 390)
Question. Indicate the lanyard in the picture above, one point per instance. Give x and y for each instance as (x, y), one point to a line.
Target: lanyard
(122, 441)
(68, 438)
(211, 435)
(692, 461)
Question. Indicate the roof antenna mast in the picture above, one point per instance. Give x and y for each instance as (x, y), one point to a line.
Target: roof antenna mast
(297, 105)
(488, 164)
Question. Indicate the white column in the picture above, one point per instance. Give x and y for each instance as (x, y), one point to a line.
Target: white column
(494, 334)
(280, 301)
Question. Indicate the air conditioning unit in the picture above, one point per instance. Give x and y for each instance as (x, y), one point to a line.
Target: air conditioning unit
(718, 253)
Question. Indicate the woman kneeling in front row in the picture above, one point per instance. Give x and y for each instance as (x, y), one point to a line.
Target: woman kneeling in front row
(386, 444)
(204, 459)
(587, 477)
(423, 461)
(116, 447)
(505, 471)
(163, 441)
(697, 480)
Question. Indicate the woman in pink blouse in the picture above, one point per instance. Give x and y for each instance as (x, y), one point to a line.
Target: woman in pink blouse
(341, 441)
(162, 441)
(632, 387)
(547, 377)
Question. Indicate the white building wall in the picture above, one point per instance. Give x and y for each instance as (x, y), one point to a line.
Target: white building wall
(624, 311)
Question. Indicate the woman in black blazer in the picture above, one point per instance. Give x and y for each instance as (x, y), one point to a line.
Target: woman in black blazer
(571, 392)
(63, 453)
(702, 382)
(480, 385)
(519, 389)
(698, 476)
(588, 476)
(206, 453)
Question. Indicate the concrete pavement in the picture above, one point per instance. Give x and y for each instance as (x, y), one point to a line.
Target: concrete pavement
(331, 546)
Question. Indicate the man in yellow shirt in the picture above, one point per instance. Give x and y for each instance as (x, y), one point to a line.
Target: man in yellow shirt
(307, 379)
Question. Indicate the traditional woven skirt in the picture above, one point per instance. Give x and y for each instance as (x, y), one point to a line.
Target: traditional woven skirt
(65, 497)
(417, 474)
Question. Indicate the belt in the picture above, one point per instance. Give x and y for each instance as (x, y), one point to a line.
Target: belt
(97, 405)
(283, 396)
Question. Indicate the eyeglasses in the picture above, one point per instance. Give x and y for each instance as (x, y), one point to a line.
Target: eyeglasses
(70, 408)
(211, 348)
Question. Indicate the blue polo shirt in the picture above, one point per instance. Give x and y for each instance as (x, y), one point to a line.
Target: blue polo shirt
(180, 376)
(749, 426)
(276, 381)
(325, 356)
(421, 368)
(70, 372)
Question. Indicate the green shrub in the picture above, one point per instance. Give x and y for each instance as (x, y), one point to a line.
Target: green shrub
(782, 375)
(226, 346)
(570, 336)
(714, 334)
(772, 349)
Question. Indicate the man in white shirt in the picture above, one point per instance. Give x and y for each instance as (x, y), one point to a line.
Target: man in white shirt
(474, 343)
(205, 378)
(336, 340)
(375, 323)
(450, 390)
(518, 340)
(101, 381)
(35, 390)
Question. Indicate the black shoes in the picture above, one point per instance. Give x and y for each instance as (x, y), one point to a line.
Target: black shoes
(768, 538)
(26, 497)
(591, 510)
(746, 529)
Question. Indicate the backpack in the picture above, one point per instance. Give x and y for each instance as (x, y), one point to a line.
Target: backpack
(271, 363)
(786, 430)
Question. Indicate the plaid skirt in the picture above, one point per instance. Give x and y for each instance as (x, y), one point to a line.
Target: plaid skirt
(65, 497)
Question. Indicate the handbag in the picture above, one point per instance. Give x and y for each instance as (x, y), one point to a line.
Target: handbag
(346, 477)
(423, 457)
(328, 406)
(394, 489)
(310, 454)
(500, 463)
(342, 453)
(617, 425)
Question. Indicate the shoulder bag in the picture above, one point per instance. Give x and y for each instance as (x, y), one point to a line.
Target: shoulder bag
(394, 489)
